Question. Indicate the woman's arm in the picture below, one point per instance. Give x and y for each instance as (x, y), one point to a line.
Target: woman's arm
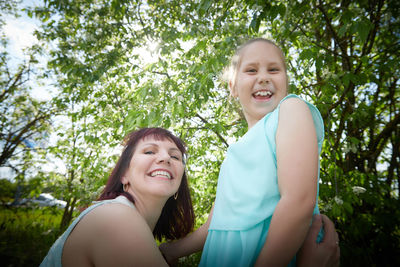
(323, 254)
(297, 163)
(190, 244)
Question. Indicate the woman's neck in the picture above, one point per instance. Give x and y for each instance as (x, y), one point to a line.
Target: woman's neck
(150, 208)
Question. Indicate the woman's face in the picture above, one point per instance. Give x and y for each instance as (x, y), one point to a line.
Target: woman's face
(156, 168)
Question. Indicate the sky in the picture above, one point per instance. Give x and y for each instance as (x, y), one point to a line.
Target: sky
(20, 31)
(20, 34)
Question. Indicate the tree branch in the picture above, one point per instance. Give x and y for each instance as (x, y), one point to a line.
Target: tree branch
(218, 135)
(334, 35)
(380, 140)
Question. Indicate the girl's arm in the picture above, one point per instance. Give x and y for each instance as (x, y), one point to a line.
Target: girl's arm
(190, 244)
(297, 163)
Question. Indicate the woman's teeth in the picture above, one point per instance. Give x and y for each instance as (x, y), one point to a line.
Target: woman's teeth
(161, 173)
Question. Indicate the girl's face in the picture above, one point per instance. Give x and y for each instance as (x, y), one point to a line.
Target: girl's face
(261, 81)
(156, 169)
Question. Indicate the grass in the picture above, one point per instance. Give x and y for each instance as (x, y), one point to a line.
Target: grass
(26, 234)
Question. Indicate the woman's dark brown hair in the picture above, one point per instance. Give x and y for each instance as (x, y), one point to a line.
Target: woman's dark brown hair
(177, 216)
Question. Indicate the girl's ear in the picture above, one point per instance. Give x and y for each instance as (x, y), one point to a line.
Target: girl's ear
(232, 89)
(124, 180)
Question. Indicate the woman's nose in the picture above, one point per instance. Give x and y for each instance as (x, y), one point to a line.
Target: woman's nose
(164, 157)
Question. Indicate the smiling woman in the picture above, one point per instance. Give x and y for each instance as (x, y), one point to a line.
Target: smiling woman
(146, 197)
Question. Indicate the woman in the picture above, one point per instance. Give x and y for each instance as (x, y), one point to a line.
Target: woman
(146, 197)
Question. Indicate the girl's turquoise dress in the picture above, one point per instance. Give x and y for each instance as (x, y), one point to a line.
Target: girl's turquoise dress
(247, 194)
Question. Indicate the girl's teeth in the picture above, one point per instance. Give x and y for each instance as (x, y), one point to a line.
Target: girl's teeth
(263, 93)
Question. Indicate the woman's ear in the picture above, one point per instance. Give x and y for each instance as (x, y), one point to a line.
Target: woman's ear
(232, 89)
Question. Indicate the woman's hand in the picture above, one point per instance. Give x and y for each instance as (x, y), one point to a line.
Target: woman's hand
(166, 251)
(324, 254)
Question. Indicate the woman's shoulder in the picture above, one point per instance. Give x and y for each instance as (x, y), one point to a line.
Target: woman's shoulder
(116, 230)
(109, 225)
(109, 222)
(110, 214)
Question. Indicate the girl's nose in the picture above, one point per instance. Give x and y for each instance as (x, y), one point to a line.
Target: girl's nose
(263, 77)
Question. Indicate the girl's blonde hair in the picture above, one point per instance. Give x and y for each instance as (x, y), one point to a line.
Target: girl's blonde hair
(230, 72)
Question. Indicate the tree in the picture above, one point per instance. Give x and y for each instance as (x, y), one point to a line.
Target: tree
(85, 165)
(342, 56)
(24, 119)
(7, 190)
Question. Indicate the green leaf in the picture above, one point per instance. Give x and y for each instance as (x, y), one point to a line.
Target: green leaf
(363, 28)
(255, 23)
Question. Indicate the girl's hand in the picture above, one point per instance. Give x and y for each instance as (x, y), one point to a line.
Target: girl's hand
(166, 251)
(326, 253)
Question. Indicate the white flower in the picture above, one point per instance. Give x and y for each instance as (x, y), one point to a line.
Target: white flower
(338, 200)
(327, 207)
(358, 190)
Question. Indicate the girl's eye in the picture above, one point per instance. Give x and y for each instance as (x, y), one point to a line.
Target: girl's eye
(149, 152)
(274, 70)
(251, 70)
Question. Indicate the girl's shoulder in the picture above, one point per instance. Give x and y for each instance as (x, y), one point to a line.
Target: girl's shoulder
(293, 107)
(294, 104)
(291, 98)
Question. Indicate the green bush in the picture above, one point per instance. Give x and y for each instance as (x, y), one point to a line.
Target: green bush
(7, 190)
(26, 234)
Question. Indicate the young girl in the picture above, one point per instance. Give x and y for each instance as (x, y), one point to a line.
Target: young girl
(268, 184)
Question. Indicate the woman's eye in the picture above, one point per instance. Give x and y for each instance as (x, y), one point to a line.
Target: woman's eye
(176, 157)
(148, 152)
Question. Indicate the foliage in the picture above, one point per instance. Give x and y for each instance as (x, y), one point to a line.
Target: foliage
(7, 191)
(342, 56)
(26, 234)
(24, 120)
(85, 167)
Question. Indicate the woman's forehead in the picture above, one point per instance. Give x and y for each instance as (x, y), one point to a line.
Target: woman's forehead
(156, 140)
